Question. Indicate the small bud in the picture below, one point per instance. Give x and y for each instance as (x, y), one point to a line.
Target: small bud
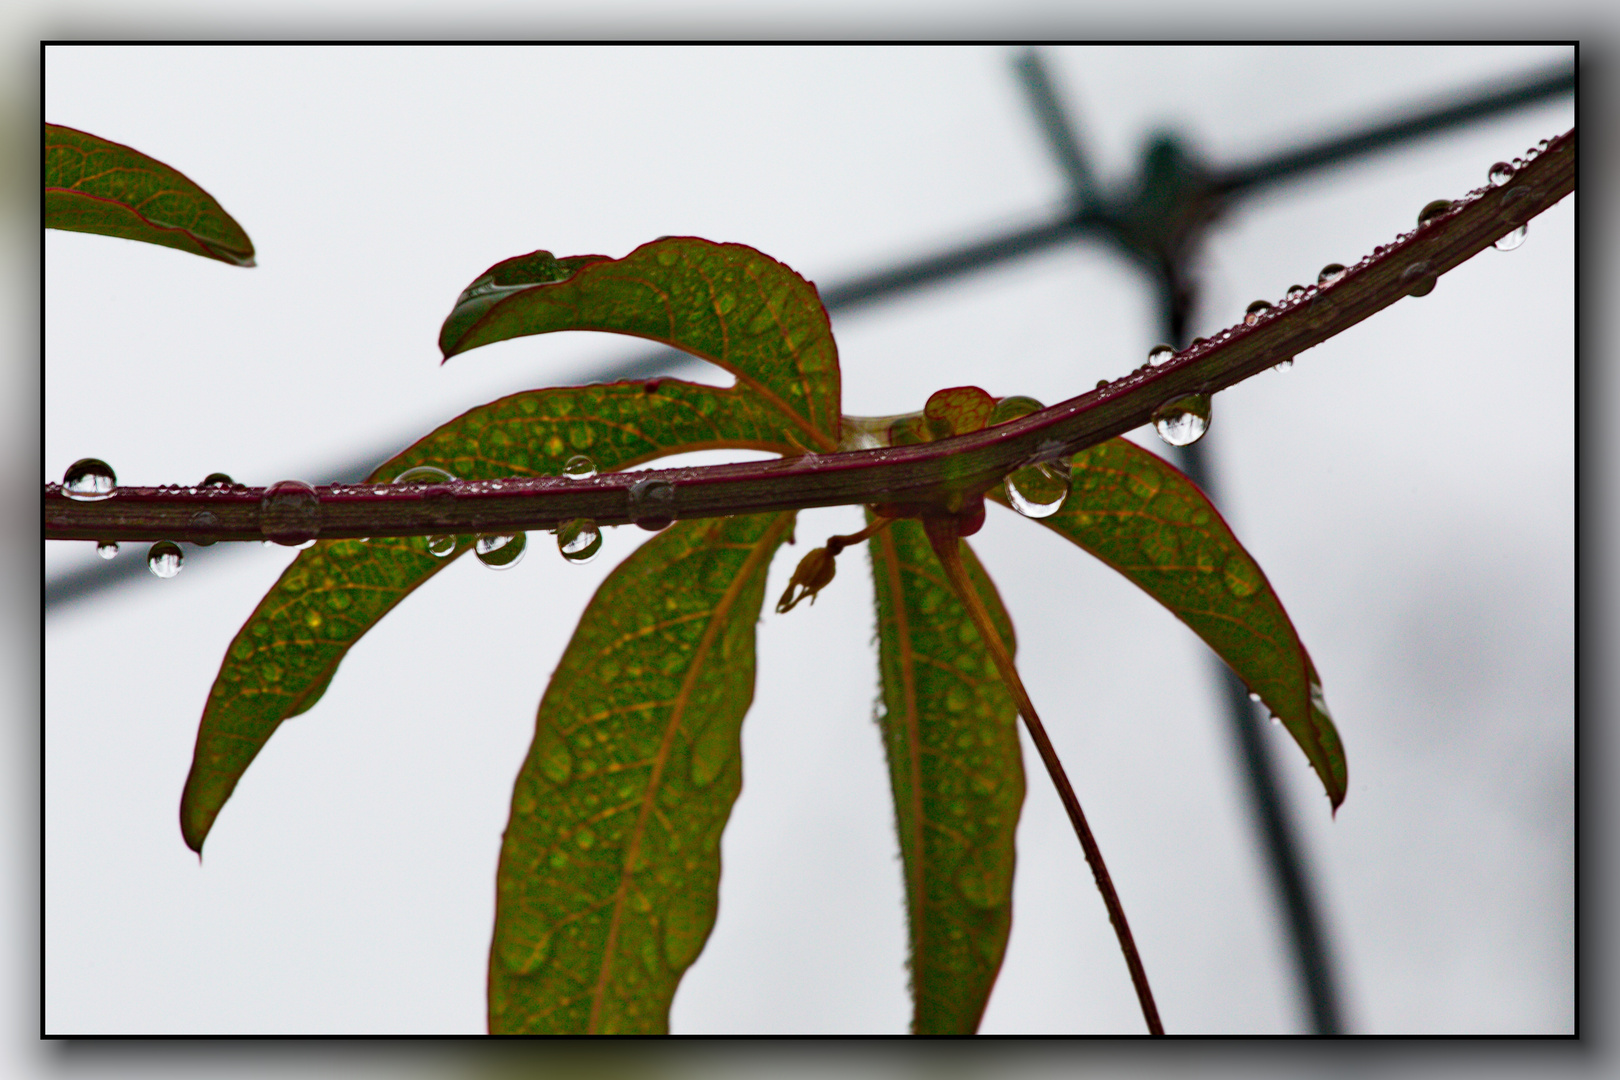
(813, 573)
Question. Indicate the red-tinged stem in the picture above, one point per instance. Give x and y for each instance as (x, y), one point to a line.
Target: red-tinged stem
(945, 536)
(912, 478)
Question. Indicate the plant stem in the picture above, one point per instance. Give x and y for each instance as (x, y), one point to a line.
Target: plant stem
(944, 534)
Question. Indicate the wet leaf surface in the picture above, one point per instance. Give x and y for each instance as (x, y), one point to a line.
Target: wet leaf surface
(610, 869)
(950, 732)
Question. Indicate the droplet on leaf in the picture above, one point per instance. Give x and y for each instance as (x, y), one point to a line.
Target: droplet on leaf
(89, 480)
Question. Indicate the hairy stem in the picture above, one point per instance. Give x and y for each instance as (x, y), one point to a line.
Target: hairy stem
(944, 533)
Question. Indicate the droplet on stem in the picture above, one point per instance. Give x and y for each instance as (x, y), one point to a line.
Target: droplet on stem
(579, 467)
(1038, 491)
(501, 552)
(1295, 292)
(441, 546)
(89, 480)
(424, 474)
(1254, 311)
(1183, 421)
(1160, 354)
(164, 559)
(1418, 278)
(217, 480)
(1500, 174)
(289, 513)
(1433, 210)
(652, 503)
(579, 540)
(1331, 273)
(107, 549)
(1009, 409)
(203, 526)
(1513, 239)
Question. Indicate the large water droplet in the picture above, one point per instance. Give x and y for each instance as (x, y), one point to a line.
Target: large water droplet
(1009, 409)
(1160, 354)
(1500, 174)
(1433, 210)
(1418, 278)
(424, 474)
(652, 503)
(579, 540)
(1183, 421)
(500, 552)
(441, 546)
(1038, 491)
(290, 513)
(1295, 292)
(164, 559)
(203, 528)
(1331, 273)
(217, 480)
(88, 480)
(579, 467)
(1254, 311)
(107, 549)
(1513, 239)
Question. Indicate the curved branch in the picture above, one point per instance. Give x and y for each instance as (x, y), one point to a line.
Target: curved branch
(921, 476)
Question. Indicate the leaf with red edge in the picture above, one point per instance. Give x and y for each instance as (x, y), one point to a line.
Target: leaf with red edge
(726, 303)
(97, 186)
(1143, 517)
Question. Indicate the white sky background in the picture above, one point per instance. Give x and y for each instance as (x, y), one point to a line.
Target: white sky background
(1408, 489)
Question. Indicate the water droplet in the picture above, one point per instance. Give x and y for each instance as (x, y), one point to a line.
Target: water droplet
(440, 546)
(1276, 721)
(1254, 311)
(203, 526)
(1433, 210)
(290, 513)
(1330, 273)
(500, 552)
(217, 480)
(1420, 281)
(1183, 421)
(1197, 341)
(107, 549)
(1500, 174)
(579, 467)
(1160, 354)
(652, 503)
(1318, 701)
(1009, 409)
(1038, 491)
(424, 474)
(88, 480)
(1253, 696)
(1513, 239)
(1295, 292)
(1101, 383)
(579, 540)
(164, 559)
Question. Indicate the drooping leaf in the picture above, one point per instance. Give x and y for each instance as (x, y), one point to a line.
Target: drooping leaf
(96, 186)
(950, 731)
(1143, 517)
(726, 303)
(285, 654)
(610, 869)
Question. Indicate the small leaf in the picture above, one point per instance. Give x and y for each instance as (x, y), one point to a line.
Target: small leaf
(96, 186)
(1140, 515)
(285, 654)
(725, 303)
(610, 869)
(950, 731)
(958, 410)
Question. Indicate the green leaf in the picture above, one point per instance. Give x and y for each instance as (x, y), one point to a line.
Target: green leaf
(610, 869)
(1139, 514)
(726, 303)
(96, 186)
(950, 731)
(285, 654)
